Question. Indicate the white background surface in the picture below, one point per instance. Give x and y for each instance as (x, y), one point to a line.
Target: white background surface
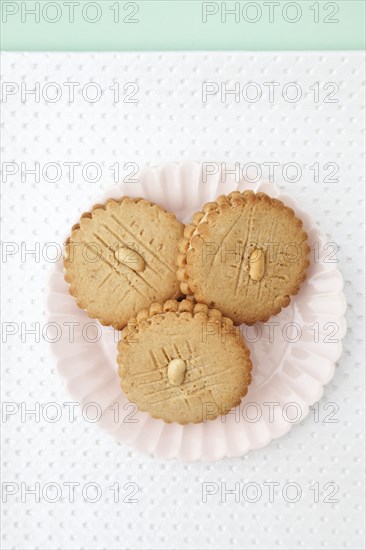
(170, 122)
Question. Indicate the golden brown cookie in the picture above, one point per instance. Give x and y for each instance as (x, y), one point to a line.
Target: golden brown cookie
(244, 254)
(121, 257)
(183, 362)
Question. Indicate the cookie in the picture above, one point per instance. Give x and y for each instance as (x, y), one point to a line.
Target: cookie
(183, 362)
(244, 254)
(121, 257)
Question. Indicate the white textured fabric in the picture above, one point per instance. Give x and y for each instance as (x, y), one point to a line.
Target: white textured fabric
(171, 122)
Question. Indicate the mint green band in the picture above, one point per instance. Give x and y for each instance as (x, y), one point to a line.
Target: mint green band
(83, 25)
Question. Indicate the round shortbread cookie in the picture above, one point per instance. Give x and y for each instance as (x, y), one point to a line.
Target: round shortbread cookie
(121, 257)
(244, 254)
(183, 362)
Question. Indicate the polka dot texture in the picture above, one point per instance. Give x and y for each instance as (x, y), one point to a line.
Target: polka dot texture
(171, 122)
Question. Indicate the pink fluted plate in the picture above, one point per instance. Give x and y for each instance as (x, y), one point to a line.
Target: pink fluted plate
(293, 354)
